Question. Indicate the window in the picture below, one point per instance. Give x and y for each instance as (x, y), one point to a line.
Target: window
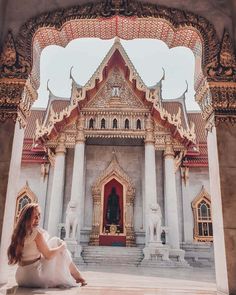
(114, 123)
(24, 200)
(91, 121)
(103, 123)
(126, 124)
(138, 125)
(24, 197)
(203, 230)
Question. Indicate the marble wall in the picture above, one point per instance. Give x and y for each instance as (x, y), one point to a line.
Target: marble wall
(31, 173)
(131, 159)
(198, 177)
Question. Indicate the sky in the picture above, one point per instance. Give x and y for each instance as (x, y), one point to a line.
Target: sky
(148, 56)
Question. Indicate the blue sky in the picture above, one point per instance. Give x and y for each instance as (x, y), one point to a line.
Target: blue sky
(148, 56)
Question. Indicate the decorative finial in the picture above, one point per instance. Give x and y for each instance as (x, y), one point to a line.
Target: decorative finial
(48, 89)
(71, 77)
(163, 76)
(117, 40)
(186, 90)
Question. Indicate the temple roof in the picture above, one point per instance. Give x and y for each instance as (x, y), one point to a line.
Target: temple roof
(31, 122)
(172, 106)
(196, 117)
(59, 114)
(196, 157)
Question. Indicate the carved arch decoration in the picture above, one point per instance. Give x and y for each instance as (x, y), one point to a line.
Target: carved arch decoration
(203, 231)
(24, 196)
(36, 31)
(20, 56)
(113, 171)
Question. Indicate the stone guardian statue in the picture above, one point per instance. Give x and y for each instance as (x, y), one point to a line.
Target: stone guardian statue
(154, 223)
(72, 220)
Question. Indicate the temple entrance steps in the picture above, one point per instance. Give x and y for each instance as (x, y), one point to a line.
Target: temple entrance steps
(107, 255)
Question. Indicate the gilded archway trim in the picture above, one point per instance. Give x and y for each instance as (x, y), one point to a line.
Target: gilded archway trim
(113, 171)
(202, 196)
(109, 9)
(24, 191)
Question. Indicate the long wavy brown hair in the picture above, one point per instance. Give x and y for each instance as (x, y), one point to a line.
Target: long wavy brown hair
(23, 226)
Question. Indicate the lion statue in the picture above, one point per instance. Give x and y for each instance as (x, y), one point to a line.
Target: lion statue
(71, 220)
(154, 223)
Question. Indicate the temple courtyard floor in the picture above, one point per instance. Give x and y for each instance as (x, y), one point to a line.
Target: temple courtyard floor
(123, 280)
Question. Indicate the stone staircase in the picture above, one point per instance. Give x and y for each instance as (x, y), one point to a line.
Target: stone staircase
(111, 255)
(199, 254)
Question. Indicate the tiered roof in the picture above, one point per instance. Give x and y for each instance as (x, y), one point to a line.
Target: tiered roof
(45, 124)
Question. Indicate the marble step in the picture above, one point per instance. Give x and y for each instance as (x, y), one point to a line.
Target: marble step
(159, 263)
(104, 255)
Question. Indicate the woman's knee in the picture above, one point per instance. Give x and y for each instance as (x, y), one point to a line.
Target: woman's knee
(54, 242)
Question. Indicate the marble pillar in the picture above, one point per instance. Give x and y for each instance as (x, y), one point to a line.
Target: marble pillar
(187, 209)
(171, 197)
(6, 137)
(221, 155)
(11, 193)
(56, 200)
(45, 167)
(77, 188)
(150, 173)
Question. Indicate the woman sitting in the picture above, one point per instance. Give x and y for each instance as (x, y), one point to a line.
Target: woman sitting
(41, 263)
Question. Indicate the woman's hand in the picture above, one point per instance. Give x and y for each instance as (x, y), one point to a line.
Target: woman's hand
(62, 246)
(47, 252)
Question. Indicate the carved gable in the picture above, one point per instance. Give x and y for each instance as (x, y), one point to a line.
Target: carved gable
(116, 93)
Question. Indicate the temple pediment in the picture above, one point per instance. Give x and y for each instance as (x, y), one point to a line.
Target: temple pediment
(115, 93)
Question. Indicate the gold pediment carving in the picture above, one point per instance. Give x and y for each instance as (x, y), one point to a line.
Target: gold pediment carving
(115, 93)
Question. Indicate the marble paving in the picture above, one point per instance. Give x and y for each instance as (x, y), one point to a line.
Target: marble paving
(131, 281)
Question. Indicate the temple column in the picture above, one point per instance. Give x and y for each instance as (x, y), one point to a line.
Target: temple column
(56, 200)
(150, 173)
(187, 209)
(77, 188)
(171, 196)
(220, 194)
(129, 217)
(16, 97)
(94, 236)
(217, 100)
(11, 192)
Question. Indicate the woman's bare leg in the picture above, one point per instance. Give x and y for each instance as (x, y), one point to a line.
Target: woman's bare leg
(76, 274)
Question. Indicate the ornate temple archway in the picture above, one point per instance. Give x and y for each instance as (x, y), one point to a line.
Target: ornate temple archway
(120, 232)
(20, 56)
(215, 75)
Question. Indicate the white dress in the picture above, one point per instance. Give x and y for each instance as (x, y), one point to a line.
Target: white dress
(44, 273)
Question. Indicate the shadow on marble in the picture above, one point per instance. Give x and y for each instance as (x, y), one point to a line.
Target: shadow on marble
(203, 274)
(15, 290)
(130, 281)
(105, 291)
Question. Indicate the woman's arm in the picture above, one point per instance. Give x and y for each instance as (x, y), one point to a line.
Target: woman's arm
(47, 252)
